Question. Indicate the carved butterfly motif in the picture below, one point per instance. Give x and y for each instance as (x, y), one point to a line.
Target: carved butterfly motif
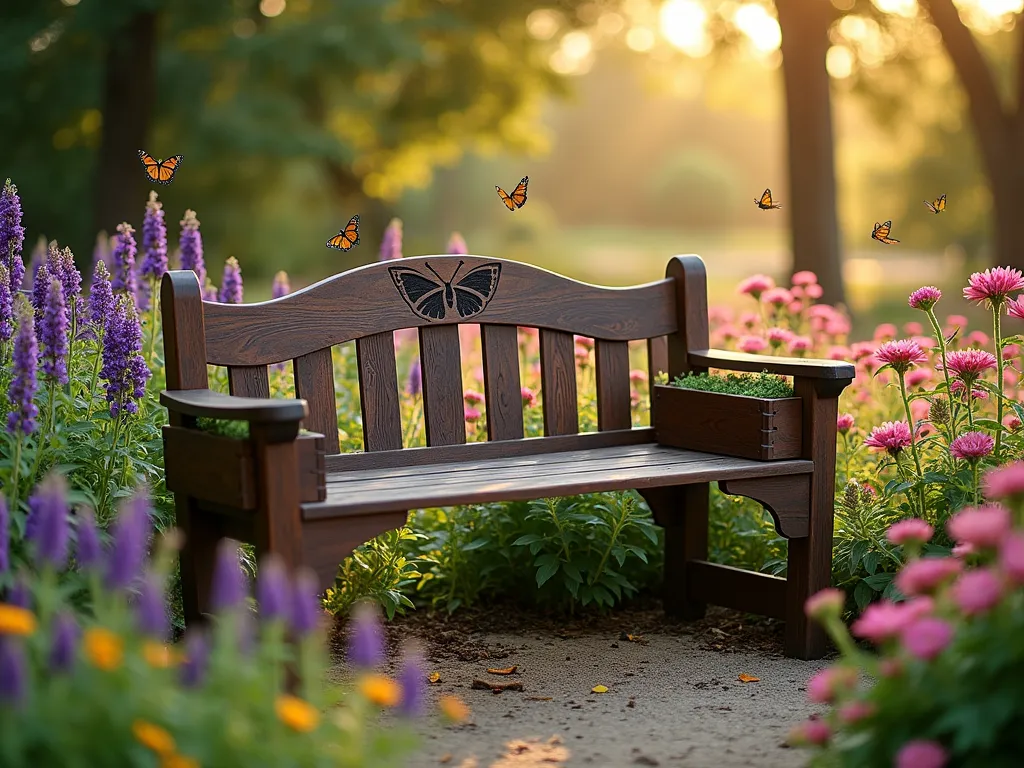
(433, 300)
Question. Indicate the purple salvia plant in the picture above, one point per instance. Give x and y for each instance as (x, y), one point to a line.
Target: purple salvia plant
(61, 265)
(365, 640)
(65, 640)
(88, 550)
(391, 243)
(131, 538)
(22, 390)
(53, 335)
(197, 655)
(191, 244)
(305, 604)
(47, 526)
(5, 537)
(411, 678)
(13, 671)
(280, 287)
(124, 368)
(6, 307)
(101, 251)
(19, 594)
(101, 300)
(229, 587)
(231, 284)
(154, 240)
(456, 245)
(151, 608)
(40, 287)
(209, 291)
(37, 260)
(414, 385)
(123, 257)
(272, 589)
(12, 236)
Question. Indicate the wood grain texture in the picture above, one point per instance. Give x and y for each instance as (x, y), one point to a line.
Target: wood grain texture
(784, 366)
(502, 384)
(249, 381)
(441, 367)
(657, 357)
(365, 301)
(741, 590)
(690, 281)
(613, 398)
(787, 499)
(216, 405)
(230, 479)
(278, 516)
(325, 543)
(184, 337)
(314, 383)
(558, 383)
(378, 392)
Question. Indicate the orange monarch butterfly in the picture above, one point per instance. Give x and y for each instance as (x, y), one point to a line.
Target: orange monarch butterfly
(160, 172)
(938, 206)
(518, 197)
(348, 238)
(881, 233)
(765, 203)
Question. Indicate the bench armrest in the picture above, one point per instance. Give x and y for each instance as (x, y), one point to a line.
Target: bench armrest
(834, 370)
(271, 415)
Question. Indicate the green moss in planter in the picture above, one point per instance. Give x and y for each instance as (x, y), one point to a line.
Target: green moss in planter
(762, 384)
(224, 427)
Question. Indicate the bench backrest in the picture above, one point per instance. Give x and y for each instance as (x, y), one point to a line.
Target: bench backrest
(435, 294)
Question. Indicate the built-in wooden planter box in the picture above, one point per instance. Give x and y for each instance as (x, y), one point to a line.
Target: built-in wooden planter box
(731, 425)
(230, 478)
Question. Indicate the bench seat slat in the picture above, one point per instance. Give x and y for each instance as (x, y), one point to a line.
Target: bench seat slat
(572, 472)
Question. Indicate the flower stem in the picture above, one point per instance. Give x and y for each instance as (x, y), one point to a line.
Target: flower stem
(913, 441)
(95, 374)
(974, 472)
(997, 311)
(16, 469)
(152, 319)
(110, 463)
(945, 370)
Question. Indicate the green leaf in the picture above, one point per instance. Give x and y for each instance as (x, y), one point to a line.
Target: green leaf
(863, 595)
(878, 581)
(870, 561)
(546, 571)
(529, 538)
(856, 553)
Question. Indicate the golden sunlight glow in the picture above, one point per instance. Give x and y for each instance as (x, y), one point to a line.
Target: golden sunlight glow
(640, 39)
(906, 8)
(683, 23)
(574, 55)
(839, 61)
(576, 44)
(758, 25)
(999, 7)
(543, 23)
(611, 23)
(69, 3)
(272, 8)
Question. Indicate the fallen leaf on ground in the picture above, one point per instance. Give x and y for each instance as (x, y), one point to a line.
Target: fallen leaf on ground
(532, 753)
(538, 698)
(434, 677)
(632, 638)
(599, 689)
(497, 687)
(504, 670)
(745, 678)
(445, 758)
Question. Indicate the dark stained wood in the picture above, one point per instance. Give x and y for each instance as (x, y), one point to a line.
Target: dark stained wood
(196, 559)
(278, 514)
(441, 366)
(613, 399)
(230, 479)
(325, 543)
(657, 357)
(736, 588)
(683, 513)
(314, 383)
(181, 305)
(784, 366)
(216, 405)
(691, 307)
(558, 383)
(249, 381)
(312, 469)
(378, 392)
(442, 454)
(788, 499)
(732, 425)
(502, 386)
(365, 301)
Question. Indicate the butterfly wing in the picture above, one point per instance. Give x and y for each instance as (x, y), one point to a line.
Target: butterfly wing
(519, 193)
(348, 238)
(931, 207)
(505, 198)
(881, 233)
(940, 204)
(150, 165)
(424, 296)
(474, 291)
(167, 168)
(766, 199)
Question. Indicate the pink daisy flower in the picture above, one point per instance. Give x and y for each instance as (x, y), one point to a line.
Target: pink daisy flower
(918, 376)
(891, 436)
(884, 331)
(752, 344)
(971, 446)
(755, 285)
(1015, 308)
(844, 422)
(900, 355)
(922, 576)
(779, 336)
(827, 602)
(472, 397)
(913, 328)
(913, 529)
(969, 364)
(921, 754)
(977, 591)
(799, 344)
(811, 731)
(528, 397)
(984, 526)
(814, 291)
(880, 621)
(777, 297)
(824, 686)
(638, 376)
(1007, 480)
(838, 352)
(993, 285)
(472, 414)
(804, 277)
(924, 298)
(926, 638)
(1011, 557)
(855, 711)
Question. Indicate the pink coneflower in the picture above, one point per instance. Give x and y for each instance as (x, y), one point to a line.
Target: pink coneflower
(913, 529)
(924, 298)
(752, 344)
(913, 328)
(1004, 481)
(804, 278)
(926, 638)
(779, 336)
(900, 355)
(1015, 308)
(777, 297)
(977, 591)
(921, 754)
(827, 602)
(919, 577)
(971, 446)
(529, 398)
(969, 364)
(637, 376)
(824, 686)
(984, 526)
(855, 711)
(755, 285)
(993, 285)
(1011, 557)
(891, 437)
(976, 339)
(844, 423)
(799, 344)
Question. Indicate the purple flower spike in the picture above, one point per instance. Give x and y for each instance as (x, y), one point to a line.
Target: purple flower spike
(101, 298)
(88, 552)
(231, 284)
(305, 607)
(101, 251)
(456, 245)
(151, 608)
(229, 585)
(124, 367)
(123, 256)
(13, 671)
(131, 537)
(22, 390)
(191, 244)
(365, 640)
(53, 334)
(412, 679)
(391, 244)
(5, 537)
(65, 638)
(154, 240)
(415, 384)
(12, 236)
(47, 526)
(38, 258)
(62, 266)
(272, 589)
(6, 306)
(210, 291)
(280, 287)
(20, 595)
(197, 655)
(40, 287)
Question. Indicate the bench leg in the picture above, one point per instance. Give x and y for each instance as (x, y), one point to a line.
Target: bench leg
(278, 516)
(683, 513)
(197, 557)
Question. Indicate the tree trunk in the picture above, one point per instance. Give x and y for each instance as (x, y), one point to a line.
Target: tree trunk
(1007, 186)
(812, 182)
(129, 91)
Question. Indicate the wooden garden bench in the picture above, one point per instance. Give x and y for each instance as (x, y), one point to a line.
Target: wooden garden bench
(295, 494)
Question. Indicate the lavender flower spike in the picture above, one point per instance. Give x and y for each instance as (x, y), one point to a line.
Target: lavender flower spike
(154, 240)
(22, 390)
(101, 297)
(391, 244)
(12, 236)
(40, 286)
(88, 551)
(305, 606)
(47, 526)
(5, 536)
(365, 640)
(280, 287)
(151, 608)
(124, 369)
(6, 306)
(53, 334)
(231, 284)
(62, 266)
(411, 677)
(415, 383)
(123, 256)
(101, 251)
(19, 594)
(229, 586)
(65, 639)
(190, 243)
(456, 245)
(131, 537)
(197, 655)
(13, 671)
(272, 589)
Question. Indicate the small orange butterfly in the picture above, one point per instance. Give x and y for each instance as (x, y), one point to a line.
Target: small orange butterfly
(765, 203)
(881, 233)
(348, 238)
(518, 197)
(938, 206)
(159, 171)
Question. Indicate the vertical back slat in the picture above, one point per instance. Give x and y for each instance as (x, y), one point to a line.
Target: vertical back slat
(558, 383)
(249, 380)
(502, 386)
(657, 357)
(613, 411)
(314, 382)
(378, 392)
(441, 365)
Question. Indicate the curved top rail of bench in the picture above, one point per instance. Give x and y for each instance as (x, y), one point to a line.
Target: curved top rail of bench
(370, 299)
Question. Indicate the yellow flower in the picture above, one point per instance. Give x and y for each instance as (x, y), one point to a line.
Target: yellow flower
(381, 690)
(297, 714)
(174, 760)
(103, 648)
(159, 655)
(16, 621)
(153, 737)
(454, 708)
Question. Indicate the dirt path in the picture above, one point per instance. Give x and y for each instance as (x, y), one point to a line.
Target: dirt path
(674, 695)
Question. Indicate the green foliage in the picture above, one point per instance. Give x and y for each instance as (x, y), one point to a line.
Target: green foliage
(761, 384)
(377, 571)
